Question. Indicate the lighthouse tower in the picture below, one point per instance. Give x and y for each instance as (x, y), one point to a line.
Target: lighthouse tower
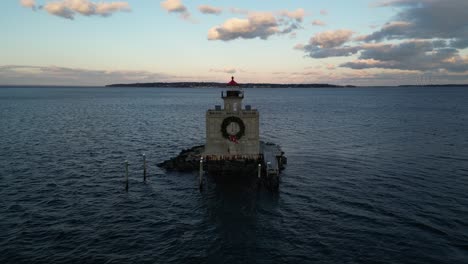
(232, 131)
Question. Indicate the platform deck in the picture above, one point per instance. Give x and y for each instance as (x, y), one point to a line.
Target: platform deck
(270, 153)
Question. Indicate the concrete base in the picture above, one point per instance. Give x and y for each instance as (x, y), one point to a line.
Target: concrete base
(272, 162)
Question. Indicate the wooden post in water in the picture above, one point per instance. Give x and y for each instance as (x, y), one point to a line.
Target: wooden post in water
(144, 167)
(259, 170)
(268, 168)
(126, 175)
(201, 174)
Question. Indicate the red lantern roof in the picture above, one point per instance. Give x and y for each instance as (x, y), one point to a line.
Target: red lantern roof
(232, 82)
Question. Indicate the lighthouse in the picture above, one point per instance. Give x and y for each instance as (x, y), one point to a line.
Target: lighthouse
(232, 131)
(233, 150)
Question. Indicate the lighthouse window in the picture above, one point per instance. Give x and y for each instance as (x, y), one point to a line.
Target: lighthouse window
(235, 107)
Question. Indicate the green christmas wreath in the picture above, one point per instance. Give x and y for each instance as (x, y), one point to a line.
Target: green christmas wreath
(229, 120)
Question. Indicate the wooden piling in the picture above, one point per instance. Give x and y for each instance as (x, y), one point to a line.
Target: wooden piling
(144, 167)
(267, 169)
(126, 175)
(201, 174)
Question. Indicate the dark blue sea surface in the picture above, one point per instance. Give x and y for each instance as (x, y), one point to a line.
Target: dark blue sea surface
(374, 175)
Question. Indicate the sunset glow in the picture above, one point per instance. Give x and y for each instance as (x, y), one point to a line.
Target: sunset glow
(362, 42)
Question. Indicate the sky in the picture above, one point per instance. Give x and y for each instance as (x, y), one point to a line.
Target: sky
(358, 42)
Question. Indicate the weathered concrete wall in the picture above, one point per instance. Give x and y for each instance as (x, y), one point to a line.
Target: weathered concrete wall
(216, 144)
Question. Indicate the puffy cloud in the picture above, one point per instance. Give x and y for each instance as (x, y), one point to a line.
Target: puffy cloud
(29, 4)
(69, 8)
(258, 24)
(205, 9)
(261, 25)
(317, 22)
(176, 6)
(60, 9)
(331, 39)
(106, 9)
(329, 44)
(298, 14)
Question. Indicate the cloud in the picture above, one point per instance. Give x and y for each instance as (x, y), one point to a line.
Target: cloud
(366, 77)
(298, 14)
(261, 25)
(205, 9)
(409, 55)
(68, 8)
(258, 25)
(386, 3)
(224, 70)
(425, 19)
(390, 30)
(323, 12)
(427, 36)
(106, 9)
(28, 4)
(60, 9)
(331, 39)
(53, 75)
(459, 43)
(290, 28)
(320, 53)
(176, 6)
(317, 22)
(414, 55)
(326, 46)
(299, 46)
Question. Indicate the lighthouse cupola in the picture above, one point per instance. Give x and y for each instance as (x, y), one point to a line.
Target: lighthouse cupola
(233, 97)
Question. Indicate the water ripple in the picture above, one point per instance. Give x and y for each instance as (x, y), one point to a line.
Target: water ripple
(374, 176)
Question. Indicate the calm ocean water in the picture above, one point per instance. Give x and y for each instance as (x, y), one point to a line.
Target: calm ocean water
(374, 176)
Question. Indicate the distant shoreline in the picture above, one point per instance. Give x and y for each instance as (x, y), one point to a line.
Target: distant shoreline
(222, 85)
(264, 85)
(210, 85)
